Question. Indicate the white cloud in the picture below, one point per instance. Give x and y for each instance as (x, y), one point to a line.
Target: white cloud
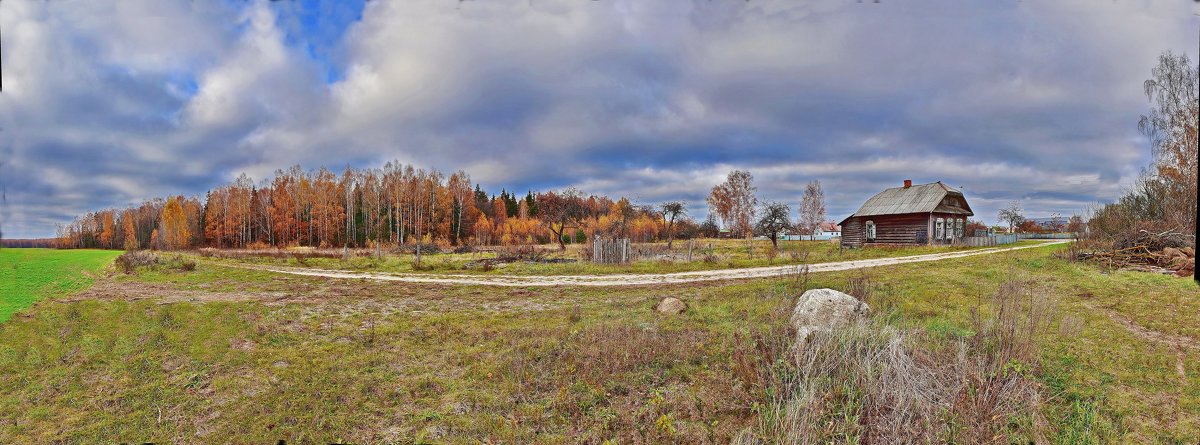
(110, 102)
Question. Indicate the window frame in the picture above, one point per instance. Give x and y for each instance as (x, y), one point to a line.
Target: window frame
(939, 229)
(870, 229)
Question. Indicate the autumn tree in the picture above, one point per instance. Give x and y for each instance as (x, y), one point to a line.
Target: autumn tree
(812, 208)
(559, 211)
(131, 240)
(622, 211)
(483, 230)
(174, 234)
(373, 194)
(734, 201)
(975, 228)
(108, 231)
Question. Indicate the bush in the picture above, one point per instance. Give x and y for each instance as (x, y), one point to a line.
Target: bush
(130, 261)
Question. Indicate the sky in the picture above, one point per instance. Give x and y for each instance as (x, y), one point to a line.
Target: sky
(108, 103)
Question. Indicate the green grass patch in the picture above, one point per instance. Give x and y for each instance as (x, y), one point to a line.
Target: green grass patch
(29, 275)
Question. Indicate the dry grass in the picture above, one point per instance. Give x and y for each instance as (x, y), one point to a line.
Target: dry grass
(130, 261)
(874, 383)
(315, 360)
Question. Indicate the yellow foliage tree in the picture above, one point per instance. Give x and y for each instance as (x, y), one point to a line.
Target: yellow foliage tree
(174, 224)
(131, 241)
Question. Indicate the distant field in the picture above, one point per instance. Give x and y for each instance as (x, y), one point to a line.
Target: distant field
(707, 254)
(29, 275)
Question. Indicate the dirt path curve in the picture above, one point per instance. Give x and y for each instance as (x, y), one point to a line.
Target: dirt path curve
(631, 279)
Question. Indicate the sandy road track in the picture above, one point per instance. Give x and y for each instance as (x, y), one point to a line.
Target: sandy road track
(630, 279)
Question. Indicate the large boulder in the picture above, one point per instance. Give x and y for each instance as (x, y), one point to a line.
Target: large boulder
(671, 305)
(824, 310)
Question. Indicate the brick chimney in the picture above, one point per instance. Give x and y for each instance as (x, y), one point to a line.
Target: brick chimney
(907, 183)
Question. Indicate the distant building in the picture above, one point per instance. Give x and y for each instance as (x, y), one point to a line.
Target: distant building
(1054, 224)
(823, 232)
(909, 215)
(828, 229)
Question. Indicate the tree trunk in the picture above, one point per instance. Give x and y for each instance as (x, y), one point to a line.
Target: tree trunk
(670, 233)
(559, 236)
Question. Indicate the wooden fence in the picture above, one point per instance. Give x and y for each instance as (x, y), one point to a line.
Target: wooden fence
(987, 241)
(1046, 235)
(611, 250)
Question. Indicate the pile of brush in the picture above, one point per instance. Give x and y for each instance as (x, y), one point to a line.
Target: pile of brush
(1160, 252)
(1182, 260)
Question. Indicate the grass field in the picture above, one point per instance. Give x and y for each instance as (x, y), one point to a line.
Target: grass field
(234, 356)
(707, 255)
(29, 275)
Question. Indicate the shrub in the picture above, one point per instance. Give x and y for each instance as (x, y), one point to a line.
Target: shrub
(187, 265)
(130, 261)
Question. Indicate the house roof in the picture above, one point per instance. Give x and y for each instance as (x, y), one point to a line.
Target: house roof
(830, 226)
(924, 198)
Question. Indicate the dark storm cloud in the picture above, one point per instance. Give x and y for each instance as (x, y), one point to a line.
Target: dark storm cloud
(655, 100)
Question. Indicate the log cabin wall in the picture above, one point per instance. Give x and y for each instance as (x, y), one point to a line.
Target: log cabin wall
(904, 229)
(853, 233)
(898, 229)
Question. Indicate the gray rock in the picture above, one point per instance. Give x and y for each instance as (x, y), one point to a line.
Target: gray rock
(824, 310)
(671, 305)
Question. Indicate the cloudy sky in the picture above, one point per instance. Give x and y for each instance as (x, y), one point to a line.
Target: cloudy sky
(107, 103)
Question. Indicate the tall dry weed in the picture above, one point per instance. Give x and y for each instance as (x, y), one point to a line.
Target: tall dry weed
(871, 382)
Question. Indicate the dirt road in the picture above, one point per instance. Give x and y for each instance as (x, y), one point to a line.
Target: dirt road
(633, 279)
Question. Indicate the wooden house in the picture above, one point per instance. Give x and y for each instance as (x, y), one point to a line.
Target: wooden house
(923, 214)
(828, 229)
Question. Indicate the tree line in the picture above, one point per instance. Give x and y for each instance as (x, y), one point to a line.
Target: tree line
(405, 205)
(390, 206)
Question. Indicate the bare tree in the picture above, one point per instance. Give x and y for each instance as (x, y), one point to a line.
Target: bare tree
(460, 191)
(775, 220)
(670, 211)
(812, 208)
(1171, 126)
(1013, 215)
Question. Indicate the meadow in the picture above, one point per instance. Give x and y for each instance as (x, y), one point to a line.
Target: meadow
(29, 275)
(707, 254)
(221, 354)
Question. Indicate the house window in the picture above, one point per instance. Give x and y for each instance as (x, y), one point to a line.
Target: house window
(939, 229)
(871, 230)
(958, 227)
